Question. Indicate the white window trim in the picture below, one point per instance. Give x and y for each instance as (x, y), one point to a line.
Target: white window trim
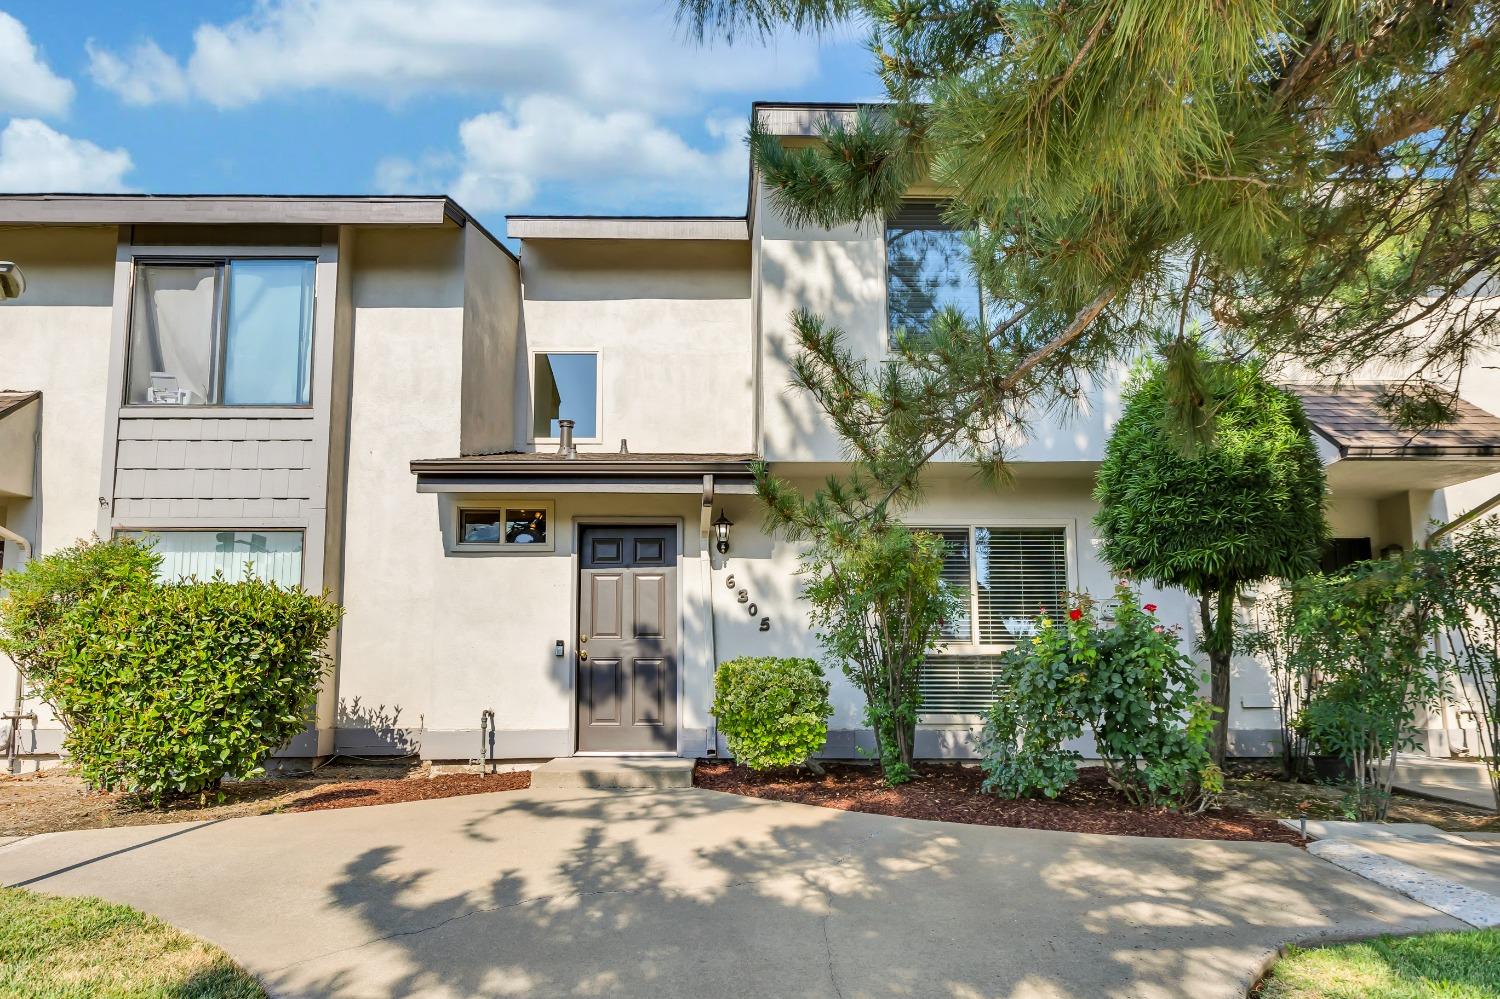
(186, 256)
(492, 504)
(598, 438)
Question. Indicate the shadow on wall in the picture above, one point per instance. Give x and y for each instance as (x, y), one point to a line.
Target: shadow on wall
(679, 894)
(375, 730)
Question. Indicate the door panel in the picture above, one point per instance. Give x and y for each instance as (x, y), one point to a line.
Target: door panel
(627, 666)
(650, 606)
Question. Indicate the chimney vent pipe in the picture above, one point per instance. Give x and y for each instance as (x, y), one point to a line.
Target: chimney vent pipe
(565, 446)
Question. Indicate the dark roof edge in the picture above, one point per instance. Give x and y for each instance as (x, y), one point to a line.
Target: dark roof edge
(460, 215)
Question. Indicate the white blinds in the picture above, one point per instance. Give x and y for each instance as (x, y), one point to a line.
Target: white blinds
(271, 555)
(957, 567)
(1018, 574)
(928, 267)
(959, 684)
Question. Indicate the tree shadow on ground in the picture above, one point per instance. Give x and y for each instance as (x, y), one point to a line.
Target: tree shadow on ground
(690, 894)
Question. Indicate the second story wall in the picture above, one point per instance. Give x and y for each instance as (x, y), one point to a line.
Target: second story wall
(669, 321)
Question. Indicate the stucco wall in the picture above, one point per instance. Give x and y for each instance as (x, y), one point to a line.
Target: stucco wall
(57, 339)
(492, 319)
(671, 322)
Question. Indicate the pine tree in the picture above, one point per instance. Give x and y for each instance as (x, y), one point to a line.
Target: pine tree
(1311, 181)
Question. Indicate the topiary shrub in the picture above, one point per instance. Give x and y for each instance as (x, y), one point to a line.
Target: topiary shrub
(773, 712)
(1128, 683)
(165, 689)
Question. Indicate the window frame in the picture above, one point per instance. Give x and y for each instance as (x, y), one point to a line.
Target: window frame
(499, 504)
(956, 648)
(218, 346)
(981, 303)
(598, 355)
(122, 530)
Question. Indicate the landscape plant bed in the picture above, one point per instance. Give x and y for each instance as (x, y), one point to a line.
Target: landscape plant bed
(55, 800)
(951, 792)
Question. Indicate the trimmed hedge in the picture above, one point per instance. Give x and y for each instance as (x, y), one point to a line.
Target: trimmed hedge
(165, 688)
(773, 712)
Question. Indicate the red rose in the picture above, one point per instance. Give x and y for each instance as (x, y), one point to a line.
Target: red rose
(1074, 614)
(1150, 608)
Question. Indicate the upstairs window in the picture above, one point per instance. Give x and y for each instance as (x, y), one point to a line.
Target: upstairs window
(928, 267)
(221, 332)
(565, 386)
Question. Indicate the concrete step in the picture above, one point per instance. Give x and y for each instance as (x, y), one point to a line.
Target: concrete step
(614, 772)
(1461, 781)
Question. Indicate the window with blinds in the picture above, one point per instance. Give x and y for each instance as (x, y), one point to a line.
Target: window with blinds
(928, 268)
(1008, 577)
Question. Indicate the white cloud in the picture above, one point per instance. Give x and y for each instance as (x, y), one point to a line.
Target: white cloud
(36, 158)
(602, 52)
(606, 158)
(27, 83)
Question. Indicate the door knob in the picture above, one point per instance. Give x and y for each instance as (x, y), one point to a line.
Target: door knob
(583, 656)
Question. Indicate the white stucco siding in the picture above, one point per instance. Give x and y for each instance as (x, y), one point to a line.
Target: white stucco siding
(670, 321)
(492, 315)
(56, 339)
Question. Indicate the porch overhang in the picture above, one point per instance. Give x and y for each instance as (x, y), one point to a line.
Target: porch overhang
(540, 472)
(1365, 454)
(19, 414)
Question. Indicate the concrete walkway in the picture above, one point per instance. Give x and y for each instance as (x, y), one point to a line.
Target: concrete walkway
(1461, 781)
(691, 893)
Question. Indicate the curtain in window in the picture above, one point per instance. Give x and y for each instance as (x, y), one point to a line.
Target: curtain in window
(268, 343)
(272, 555)
(171, 334)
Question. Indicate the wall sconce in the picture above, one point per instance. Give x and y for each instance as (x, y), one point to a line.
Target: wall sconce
(721, 532)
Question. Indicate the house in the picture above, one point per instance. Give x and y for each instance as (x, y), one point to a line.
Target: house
(512, 469)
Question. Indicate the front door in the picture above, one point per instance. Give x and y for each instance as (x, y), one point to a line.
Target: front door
(627, 639)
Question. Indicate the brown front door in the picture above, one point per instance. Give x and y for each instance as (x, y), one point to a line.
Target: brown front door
(627, 639)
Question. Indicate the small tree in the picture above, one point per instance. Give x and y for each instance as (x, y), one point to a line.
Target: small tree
(1211, 482)
(165, 689)
(1292, 666)
(1371, 632)
(878, 601)
(1468, 609)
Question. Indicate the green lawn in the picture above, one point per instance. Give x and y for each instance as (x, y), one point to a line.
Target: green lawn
(1435, 966)
(86, 948)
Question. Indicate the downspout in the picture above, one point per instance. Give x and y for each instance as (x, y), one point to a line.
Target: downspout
(15, 716)
(705, 560)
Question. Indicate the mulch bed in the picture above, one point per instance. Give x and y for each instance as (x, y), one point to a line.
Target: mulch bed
(950, 792)
(349, 794)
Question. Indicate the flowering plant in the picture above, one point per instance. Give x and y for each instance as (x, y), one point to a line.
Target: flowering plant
(1129, 683)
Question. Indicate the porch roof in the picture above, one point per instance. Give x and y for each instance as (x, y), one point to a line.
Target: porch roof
(1350, 417)
(588, 471)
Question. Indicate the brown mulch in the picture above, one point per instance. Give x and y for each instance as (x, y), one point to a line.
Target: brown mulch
(386, 792)
(56, 800)
(950, 792)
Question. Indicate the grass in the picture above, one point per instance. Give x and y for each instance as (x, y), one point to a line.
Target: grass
(72, 948)
(1433, 966)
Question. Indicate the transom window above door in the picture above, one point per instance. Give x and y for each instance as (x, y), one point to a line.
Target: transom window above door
(221, 332)
(928, 267)
(565, 386)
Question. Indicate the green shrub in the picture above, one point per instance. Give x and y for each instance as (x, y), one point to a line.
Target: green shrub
(773, 712)
(165, 689)
(1129, 684)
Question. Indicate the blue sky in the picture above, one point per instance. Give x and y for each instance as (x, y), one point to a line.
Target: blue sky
(512, 106)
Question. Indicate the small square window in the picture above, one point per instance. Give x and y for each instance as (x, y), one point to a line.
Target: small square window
(504, 523)
(479, 527)
(565, 387)
(525, 527)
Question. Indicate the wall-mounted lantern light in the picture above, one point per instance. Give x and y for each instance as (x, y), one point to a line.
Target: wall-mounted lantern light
(12, 282)
(721, 532)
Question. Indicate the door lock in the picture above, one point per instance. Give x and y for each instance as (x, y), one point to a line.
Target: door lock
(582, 639)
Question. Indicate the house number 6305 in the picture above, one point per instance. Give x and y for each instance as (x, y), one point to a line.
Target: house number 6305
(743, 596)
